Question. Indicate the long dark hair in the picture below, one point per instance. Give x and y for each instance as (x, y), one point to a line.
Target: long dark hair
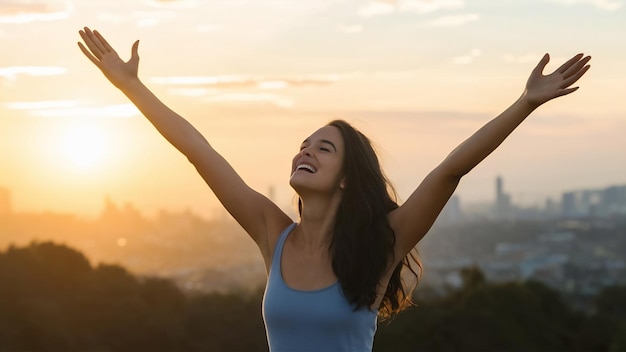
(363, 241)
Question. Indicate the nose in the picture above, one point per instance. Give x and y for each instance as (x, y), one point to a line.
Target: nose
(305, 151)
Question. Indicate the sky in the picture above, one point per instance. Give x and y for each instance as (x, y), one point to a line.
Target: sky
(257, 77)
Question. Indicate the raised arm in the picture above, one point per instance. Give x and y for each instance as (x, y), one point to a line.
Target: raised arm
(256, 214)
(414, 218)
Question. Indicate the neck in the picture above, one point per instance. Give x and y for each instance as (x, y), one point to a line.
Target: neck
(317, 221)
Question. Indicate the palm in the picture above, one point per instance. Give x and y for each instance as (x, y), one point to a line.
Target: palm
(106, 58)
(541, 88)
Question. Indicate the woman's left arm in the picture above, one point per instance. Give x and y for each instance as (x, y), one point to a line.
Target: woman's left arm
(412, 220)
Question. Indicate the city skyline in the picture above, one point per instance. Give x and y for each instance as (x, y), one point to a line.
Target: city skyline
(574, 203)
(257, 77)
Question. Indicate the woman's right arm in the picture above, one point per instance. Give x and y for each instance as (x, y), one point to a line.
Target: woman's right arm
(254, 212)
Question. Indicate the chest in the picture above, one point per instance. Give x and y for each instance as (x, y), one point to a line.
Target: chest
(305, 269)
(305, 310)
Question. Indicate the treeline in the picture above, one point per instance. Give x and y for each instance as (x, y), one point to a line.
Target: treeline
(53, 299)
(528, 316)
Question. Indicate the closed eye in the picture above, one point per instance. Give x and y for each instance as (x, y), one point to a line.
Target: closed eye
(324, 149)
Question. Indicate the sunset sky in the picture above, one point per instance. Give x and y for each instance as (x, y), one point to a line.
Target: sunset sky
(257, 77)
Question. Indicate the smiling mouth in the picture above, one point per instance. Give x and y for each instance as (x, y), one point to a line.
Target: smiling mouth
(306, 167)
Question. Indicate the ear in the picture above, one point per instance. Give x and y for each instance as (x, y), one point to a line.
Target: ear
(342, 185)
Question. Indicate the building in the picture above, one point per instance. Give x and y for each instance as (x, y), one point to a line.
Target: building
(503, 207)
(603, 202)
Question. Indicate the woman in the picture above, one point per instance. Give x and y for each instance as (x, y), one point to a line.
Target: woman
(333, 272)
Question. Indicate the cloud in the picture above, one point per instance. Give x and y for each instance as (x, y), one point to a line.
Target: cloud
(607, 5)
(245, 82)
(12, 72)
(453, 20)
(45, 104)
(211, 86)
(385, 7)
(19, 12)
(467, 59)
(251, 98)
(273, 85)
(190, 92)
(72, 108)
(446, 118)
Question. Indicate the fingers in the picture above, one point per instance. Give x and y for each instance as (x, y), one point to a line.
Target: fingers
(567, 91)
(538, 70)
(90, 41)
(103, 41)
(576, 67)
(575, 76)
(88, 54)
(95, 42)
(569, 63)
(135, 51)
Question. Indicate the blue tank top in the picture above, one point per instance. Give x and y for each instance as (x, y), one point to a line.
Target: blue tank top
(317, 320)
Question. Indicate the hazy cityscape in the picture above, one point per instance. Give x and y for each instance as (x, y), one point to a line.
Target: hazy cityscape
(576, 244)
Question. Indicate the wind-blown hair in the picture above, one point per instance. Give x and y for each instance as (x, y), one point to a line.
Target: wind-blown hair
(363, 241)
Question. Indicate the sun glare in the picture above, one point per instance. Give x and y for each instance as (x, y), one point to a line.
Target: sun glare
(84, 147)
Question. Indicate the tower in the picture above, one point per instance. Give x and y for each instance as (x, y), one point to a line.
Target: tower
(499, 191)
(503, 200)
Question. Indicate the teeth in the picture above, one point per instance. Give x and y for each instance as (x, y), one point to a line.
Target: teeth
(306, 167)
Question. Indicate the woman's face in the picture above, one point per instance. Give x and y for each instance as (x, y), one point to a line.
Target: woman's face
(318, 165)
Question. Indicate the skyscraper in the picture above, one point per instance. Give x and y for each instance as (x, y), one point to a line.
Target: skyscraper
(503, 200)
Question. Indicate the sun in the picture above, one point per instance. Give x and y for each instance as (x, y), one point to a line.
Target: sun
(84, 147)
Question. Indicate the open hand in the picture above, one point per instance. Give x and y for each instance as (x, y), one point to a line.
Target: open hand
(541, 88)
(106, 58)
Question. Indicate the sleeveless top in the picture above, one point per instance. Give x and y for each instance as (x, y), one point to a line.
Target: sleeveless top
(316, 320)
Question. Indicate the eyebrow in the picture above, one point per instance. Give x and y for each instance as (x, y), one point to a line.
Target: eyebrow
(329, 142)
(322, 141)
